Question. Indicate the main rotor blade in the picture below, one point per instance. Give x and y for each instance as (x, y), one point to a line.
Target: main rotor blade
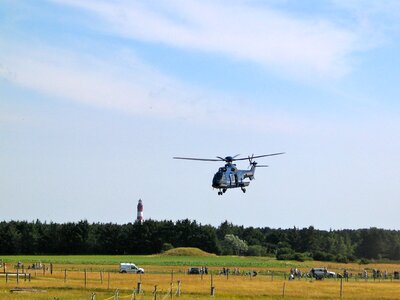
(200, 159)
(258, 156)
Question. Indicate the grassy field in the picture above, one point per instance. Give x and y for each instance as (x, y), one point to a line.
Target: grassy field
(159, 260)
(103, 279)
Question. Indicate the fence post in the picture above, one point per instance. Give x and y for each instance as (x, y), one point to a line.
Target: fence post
(17, 276)
(283, 289)
(108, 281)
(341, 288)
(29, 278)
(155, 292)
(85, 276)
(101, 277)
(65, 275)
(6, 277)
(178, 292)
(212, 289)
(171, 284)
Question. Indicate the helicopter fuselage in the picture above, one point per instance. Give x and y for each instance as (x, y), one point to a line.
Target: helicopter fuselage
(229, 177)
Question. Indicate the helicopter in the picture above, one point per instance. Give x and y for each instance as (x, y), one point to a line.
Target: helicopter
(229, 176)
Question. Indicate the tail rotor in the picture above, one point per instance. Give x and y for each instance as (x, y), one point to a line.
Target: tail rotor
(250, 158)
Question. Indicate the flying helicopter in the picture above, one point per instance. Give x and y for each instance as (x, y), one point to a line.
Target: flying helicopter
(229, 176)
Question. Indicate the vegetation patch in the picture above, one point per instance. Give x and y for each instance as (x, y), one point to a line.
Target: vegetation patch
(186, 251)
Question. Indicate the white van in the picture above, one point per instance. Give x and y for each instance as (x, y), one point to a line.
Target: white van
(130, 268)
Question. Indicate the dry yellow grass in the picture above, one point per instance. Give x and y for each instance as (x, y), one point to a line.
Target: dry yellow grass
(192, 287)
(262, 286)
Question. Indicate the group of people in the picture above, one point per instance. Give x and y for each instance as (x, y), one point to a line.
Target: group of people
(378, 274)
(236, 271)
(36, 266)
(295, 273)
(226, 271)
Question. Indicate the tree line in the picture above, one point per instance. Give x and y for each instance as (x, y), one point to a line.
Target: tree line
(22, 237)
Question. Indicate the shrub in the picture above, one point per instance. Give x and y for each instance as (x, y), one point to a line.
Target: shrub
(305, 256)
(342, 258)
(323, 256)
(364, 261)
(166, 247)
(233, 245)
(256, 250)
(285, 253)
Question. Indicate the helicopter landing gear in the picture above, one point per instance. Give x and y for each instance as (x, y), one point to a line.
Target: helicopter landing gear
(243, 190)
(221, 192)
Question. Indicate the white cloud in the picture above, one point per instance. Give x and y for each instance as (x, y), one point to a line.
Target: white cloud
(77, 77)
(237, 29)
(121, 81)
(125, 84)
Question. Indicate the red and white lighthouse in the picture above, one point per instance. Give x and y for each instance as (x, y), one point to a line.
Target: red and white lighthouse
(139, 218)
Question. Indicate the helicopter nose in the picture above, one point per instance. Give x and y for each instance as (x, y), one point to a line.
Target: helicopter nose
(217, 180)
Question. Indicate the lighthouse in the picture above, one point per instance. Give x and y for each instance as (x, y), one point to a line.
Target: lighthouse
(139, 218)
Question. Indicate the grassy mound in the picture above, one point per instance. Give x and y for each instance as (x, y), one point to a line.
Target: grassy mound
(186, 252)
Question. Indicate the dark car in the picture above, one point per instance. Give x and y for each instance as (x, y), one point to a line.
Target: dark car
(194, 271)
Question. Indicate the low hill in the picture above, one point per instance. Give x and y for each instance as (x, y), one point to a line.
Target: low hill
(186, 252)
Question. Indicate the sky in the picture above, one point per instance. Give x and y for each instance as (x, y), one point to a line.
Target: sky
(96, 97)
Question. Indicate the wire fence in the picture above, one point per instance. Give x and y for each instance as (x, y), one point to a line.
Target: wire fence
(101, 283)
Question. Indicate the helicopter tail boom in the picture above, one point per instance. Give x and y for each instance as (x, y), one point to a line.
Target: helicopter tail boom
(250, 173)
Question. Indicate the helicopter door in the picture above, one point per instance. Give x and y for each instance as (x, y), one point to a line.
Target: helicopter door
(232, 178)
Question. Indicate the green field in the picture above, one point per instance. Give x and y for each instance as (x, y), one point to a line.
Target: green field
(159, 260)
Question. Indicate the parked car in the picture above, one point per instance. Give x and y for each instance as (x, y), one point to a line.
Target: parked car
(130, 268)
(319, 273)
(194, 270)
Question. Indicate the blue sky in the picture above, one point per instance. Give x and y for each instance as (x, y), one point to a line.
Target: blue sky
(96, 97)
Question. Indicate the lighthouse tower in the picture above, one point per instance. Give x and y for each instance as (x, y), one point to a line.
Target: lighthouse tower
(139, 218)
